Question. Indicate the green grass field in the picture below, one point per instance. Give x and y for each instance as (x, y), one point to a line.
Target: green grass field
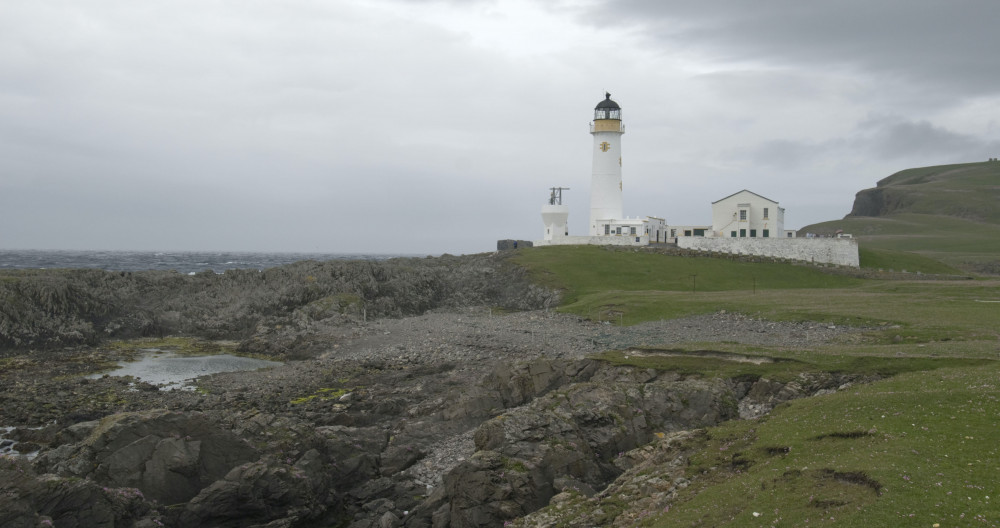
(919, 242)
(917, 448)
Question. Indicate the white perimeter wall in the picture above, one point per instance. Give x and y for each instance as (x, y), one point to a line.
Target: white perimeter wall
(839, 251)
(612, 240)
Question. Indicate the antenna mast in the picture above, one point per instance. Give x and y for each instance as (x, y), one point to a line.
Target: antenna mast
(556, 197)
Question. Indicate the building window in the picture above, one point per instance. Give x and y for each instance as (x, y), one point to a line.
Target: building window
(631, 231)
(765, 215)
(607, 229)
(743, 233)
(767, 233)
(687, 232)
(618, 230)
(732, 234)
(699, 232)
(753, 233)
(743, 215)
(673, 233)
(789, 234)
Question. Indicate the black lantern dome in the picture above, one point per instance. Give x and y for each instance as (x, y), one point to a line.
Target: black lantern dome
(607, 109)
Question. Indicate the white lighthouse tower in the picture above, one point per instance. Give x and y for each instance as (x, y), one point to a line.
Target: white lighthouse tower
(606, 179)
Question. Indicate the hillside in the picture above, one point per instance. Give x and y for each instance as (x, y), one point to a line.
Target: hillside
(928, 219)
(968, 191)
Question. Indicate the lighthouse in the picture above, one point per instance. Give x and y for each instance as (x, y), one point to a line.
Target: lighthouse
(606, 178)
(608, 226)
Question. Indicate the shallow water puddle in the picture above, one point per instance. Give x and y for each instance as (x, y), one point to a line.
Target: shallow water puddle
(171, 371)
(8, 447)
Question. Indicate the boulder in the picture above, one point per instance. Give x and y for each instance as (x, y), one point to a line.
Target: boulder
(169, 456)
(264, 491)
(29, 500)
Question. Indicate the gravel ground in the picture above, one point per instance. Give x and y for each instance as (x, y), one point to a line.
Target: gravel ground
(476, 340)
(475, 334)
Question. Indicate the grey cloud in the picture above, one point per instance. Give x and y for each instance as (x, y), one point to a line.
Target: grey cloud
(891, 137)
(943, 44)
(882, 137)
(787, 154)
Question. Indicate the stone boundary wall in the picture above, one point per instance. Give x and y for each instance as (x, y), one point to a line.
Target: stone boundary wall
(838, 251)
(607, 240)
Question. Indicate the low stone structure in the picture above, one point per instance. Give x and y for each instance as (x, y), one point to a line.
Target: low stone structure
(503, 245)
(838, 251)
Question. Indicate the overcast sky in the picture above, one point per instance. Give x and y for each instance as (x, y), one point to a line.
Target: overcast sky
(396, 126)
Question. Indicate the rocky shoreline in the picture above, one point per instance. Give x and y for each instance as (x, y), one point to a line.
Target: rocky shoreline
(457, 415)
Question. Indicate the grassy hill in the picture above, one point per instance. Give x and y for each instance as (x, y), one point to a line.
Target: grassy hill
(917, 448)
(942, 219)
(968, 190)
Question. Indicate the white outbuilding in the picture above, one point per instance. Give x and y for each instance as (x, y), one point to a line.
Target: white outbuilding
(747, 214)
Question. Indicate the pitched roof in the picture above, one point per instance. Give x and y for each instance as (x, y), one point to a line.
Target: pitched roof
(744, 190)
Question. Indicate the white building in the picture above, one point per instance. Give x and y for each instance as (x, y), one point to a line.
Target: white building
(748, 215)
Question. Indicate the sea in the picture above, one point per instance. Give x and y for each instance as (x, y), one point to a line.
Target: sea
(188, 262)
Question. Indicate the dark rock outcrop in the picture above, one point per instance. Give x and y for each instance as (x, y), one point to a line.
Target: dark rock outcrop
(574, 435)
(169, 456)
(395, 425)
(57, 308)
(29, 500)
(881, 201)
(573, 438)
